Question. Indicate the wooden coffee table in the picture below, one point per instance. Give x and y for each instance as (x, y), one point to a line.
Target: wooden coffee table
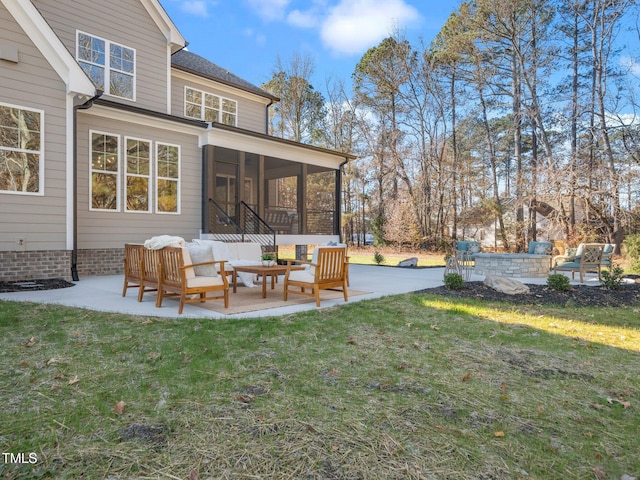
(272, 272)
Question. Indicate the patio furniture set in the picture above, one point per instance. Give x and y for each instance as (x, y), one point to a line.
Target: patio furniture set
(200, 271)
(536, 262)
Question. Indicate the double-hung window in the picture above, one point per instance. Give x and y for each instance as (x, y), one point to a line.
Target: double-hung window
(21, 155)
(138, 175)
(110, 66)
(209, 107)
(167, 178)
(105, 171)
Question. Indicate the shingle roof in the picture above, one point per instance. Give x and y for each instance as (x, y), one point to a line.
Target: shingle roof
(198, 65)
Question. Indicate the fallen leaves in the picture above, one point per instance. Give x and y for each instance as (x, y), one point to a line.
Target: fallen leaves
(74, 380)
(244, 398)
(624, 403)
(31, 342)
(119, 407)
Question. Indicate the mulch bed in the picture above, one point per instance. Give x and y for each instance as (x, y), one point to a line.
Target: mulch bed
(38, 284)
(578, 295)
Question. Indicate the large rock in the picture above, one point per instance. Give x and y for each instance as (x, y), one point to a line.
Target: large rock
(505, 285)
(409, 262)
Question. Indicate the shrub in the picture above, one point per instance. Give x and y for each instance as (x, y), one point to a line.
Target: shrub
(453, 281)
(378, 258)
(632, 242)
(559, 282)
(612, 279)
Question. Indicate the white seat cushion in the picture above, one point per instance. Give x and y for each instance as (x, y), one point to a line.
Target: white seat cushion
(302, 276)
(249, 251)
(220, 250)
(201, 281)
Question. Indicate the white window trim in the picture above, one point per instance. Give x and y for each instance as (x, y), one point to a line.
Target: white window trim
(202, 105)
(158, 177)
(118, 173)
(107, 65)
(150, 177)
(40, 191)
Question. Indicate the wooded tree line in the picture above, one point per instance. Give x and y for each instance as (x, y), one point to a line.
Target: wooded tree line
(518, 108)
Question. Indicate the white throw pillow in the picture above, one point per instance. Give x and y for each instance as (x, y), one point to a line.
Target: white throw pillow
(541, 249)
(221, 250)
(202, 254)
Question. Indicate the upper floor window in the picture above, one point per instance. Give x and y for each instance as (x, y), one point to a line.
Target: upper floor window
(209, 107)
(21, 138)
(110, 66)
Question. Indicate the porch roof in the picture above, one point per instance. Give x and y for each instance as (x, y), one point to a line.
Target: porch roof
(221, 135)
(248, 141)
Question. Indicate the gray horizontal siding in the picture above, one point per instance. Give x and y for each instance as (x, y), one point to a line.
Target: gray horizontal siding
(32, 83)
(251, 114)
(124, 22)
(113, 229)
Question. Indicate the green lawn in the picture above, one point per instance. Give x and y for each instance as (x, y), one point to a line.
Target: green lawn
(365, 256)
(404, 387)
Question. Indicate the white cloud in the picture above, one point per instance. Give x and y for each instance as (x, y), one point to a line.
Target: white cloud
(353, 26)
(269, 9)
(195, 7)
(308, 19)
(259, 38)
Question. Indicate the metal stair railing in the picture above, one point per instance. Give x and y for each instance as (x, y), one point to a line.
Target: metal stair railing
(245, 227)
(222, 225)
(255, 228)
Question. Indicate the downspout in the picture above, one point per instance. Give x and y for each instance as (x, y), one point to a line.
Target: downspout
(338, 222)
(74, 252)
(266, 126)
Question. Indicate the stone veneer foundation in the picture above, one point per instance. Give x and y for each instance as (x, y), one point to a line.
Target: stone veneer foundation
(521, 265)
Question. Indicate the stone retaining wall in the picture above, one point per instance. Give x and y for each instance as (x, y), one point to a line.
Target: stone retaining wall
(519, 265)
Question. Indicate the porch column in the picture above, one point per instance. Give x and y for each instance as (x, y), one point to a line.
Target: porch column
(262, 190)
(208, 174)
(337, 217)
(302, 198)
(240, 188)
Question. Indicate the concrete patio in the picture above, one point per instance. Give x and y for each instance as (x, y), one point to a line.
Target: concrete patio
(104, 293)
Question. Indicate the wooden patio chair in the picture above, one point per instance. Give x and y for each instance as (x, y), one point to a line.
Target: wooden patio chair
(588, 258)
(150, 267)
(177, 277)
(132, 266)
(328, 272)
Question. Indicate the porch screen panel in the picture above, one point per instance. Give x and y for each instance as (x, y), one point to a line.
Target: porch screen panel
(320, 202)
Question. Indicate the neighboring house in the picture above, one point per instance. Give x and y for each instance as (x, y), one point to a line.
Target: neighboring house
(111, 132)
(482, 225)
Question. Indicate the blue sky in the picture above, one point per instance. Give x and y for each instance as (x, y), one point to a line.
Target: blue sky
(246, 36)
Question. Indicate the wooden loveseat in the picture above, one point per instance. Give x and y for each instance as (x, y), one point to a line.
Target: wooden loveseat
(174, 271)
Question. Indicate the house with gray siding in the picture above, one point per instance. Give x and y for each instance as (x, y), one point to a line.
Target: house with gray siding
(112, 132)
